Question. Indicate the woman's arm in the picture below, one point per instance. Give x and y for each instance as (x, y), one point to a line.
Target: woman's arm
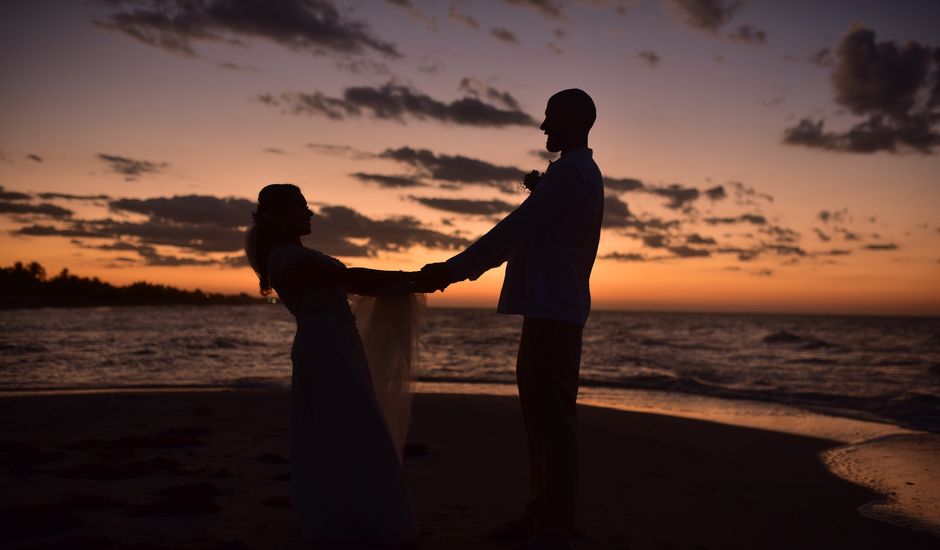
(376, 282)
(358, 280)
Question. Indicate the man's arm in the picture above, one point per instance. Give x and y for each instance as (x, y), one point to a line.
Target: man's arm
(557, 189)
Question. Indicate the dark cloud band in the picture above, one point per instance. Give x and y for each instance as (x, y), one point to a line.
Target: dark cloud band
(396, 102)
(315, 26)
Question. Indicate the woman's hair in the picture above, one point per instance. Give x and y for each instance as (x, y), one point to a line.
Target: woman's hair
(265, 232)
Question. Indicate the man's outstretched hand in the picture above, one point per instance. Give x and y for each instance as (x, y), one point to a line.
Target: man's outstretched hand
(433, 277)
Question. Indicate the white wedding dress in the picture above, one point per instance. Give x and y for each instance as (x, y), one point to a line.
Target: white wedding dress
(345, 460)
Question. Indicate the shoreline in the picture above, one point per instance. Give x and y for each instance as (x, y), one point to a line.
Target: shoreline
(261, 301)
(733, 409)
(903, 486)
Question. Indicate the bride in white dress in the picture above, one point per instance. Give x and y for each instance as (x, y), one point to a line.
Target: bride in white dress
(347, 425)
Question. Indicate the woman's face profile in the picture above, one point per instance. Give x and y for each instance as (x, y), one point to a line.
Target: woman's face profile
(297, 216)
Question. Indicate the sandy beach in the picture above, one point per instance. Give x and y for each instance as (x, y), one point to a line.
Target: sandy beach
(208, 469)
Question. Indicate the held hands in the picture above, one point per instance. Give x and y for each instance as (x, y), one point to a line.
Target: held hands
(432, 277)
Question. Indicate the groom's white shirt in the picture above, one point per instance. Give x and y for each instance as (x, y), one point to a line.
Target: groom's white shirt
(549, 241)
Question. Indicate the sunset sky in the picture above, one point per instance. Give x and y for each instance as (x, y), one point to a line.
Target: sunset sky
(758, 156)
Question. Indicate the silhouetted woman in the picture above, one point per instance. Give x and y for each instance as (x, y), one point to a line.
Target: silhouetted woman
(345, 466)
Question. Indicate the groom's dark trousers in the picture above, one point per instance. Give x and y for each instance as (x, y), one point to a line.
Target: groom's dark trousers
(547, 374)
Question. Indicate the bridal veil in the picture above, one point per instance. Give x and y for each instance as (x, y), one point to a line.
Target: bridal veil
(389, 327)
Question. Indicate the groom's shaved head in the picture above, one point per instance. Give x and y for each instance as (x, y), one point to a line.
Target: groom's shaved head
(576, 107)
(569, 117)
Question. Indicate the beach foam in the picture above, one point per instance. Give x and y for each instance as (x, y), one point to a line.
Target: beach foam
(905, 468)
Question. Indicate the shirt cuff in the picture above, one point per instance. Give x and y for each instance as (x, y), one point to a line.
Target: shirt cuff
(458, 267)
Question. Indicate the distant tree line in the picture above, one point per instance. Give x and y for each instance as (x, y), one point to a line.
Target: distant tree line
(26, 285)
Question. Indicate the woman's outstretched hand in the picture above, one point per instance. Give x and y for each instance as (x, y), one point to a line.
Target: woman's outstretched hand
(432, 277)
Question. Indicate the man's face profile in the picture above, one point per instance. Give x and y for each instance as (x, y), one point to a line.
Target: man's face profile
(552, 126)
(569, 116)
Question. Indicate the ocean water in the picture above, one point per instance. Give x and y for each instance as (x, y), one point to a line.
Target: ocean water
(874, 368)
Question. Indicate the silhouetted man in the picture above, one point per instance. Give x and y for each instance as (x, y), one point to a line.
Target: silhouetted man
(549, 242)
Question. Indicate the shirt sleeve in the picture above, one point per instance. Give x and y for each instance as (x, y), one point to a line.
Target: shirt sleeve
(560, 187)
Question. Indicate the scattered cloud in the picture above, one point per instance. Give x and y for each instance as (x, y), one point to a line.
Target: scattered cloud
(151, 256)
(623, 185)
(13, 195)
(834, 216)
(413, 11)
(340, 151)
(679, 197)
(716, 193)
(71, 197)
(773, 101)
(748, 34)
(895, 86)
(42, 209)
(781, 234)
(394, 102)
(477, 88)
(462, 18)
(743, 254)
(504, 35)
(34, 157)
(709, 15)
(745, 195)
(784, 250)
(428, 66)
(457, 169)
(654, 240)
(38, 230)
(624, 257)
(695, 238)
(466, 206)
(617, 213)
(230, 66)
(755, 219)
(649, 57)
(204, 224)
(548, 155)
(683, 251)
(197, 237)
(873, 135)
(131, 168)
(366, 66)
(339, 229)
(821, 57)
(190, 209)
(881, 246)
(383, 180)
(548, 8)
(273, 151)
(837, 226)
(314, 26)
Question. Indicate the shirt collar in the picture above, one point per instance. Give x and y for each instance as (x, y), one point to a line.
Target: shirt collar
(579, 152)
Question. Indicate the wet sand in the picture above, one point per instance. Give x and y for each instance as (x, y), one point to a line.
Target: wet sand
(209, 470)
